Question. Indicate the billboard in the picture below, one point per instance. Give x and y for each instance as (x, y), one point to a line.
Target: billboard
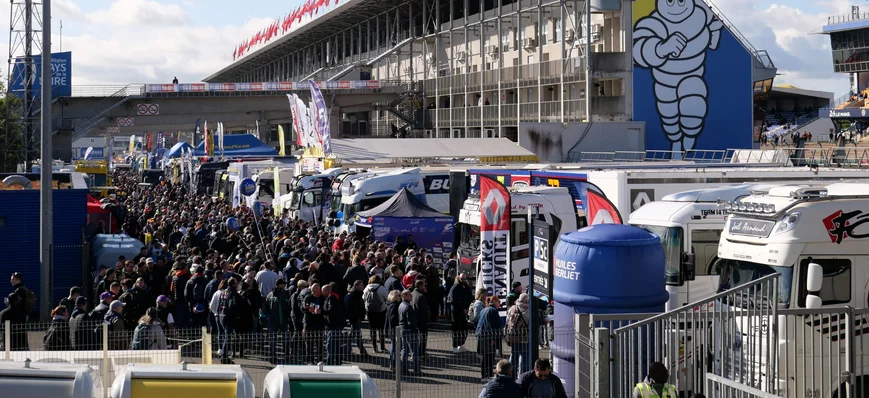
(61, 75)
(96, 153)
(692, 78)
(434, 234)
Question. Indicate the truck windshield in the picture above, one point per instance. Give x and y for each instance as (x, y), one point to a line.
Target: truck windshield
(469, 247)
(735, 273)
(266, 187)
(350, 210)
(671, 239)
(335, 204)
(295, 199)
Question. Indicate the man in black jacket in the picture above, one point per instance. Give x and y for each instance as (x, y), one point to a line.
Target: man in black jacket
(297, 302)
(314, 322)
(408, 320)
(194, 294)
(541, 382)
(336, 319)
(502, 386)
(460, 298)
(419, 301)
(356, 314)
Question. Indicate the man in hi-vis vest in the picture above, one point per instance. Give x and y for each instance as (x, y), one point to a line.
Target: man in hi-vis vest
(655, 385)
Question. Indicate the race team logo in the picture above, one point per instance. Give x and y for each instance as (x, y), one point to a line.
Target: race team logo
(841, 225)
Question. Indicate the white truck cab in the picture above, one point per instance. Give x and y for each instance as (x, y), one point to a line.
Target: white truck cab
(689, 224)
(556, 206)
(308, 201)
(817, 239)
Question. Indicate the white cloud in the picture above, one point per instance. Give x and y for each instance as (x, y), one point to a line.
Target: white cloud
(788, 34)
(129, 13)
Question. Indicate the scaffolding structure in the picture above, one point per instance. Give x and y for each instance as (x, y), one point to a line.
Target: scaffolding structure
(22, 124)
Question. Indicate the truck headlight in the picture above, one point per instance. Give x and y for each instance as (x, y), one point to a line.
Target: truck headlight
(787, 224)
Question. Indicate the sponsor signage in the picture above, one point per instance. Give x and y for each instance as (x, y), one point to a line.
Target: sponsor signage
(844, 113)
(746, 227)
(436, 184)
(494, 239)
(61, 75)
(842, 225)
(542, 275)
(96, 153)
(260, 86)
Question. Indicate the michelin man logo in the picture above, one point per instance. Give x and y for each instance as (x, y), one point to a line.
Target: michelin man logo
(672, 41)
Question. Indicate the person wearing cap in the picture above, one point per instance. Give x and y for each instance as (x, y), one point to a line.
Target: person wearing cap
(163, 312)
(80, 334)
(69, 302)
(117, 335)
(99, 312)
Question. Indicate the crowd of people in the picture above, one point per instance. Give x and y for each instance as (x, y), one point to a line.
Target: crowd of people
(270, 280)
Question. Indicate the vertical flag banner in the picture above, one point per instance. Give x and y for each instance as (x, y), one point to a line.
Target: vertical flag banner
(281, 152)
(132, 143)
(494, 239)
(209, 141)
(599, 209)
(148, 143)
(321, 118)
(309, 137)
(196, 133)
(220, 134)
(88, 152)
(313, 134)
(296, 125)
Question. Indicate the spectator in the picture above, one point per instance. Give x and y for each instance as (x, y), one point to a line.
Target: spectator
(480, 303)
(656, 383)
(99, 312)
(80, 327)
(276, 311)
(434, 288)
(392, 306)
(57, 338)
(460, 298)
(266, 279)
(503, 385)
(25, 295)
(393, 282)
(14, 313)
(164, 315)
(408, 320)
(69, 301)
(336, 318)
(449, 278)
(518, 318)
(149, 334)
(194, 295)
(515, 291)
(297, 316)
(227, 317)
(541, 382)
(314, 323)
(421, 307)
(488, 332)
(376, 297)
(177, 286)
(117, 332)
(355, 305)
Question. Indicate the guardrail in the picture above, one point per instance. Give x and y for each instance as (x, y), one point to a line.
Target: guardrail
(843, 18)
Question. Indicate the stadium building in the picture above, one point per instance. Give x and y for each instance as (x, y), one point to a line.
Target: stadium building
(849, 43)
(676, 74)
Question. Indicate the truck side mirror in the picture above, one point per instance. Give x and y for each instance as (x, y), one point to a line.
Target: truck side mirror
(689, 270)
(814, 282)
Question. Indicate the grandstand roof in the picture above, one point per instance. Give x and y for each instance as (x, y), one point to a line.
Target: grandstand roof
(382, 150)
(788, 89)
(345, 14)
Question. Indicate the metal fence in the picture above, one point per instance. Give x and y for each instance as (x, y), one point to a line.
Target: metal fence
(443, 372)
(732, 334)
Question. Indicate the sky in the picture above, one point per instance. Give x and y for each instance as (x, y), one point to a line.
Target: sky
(152, 41)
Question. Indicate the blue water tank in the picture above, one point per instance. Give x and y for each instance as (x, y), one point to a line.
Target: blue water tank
(603, 269)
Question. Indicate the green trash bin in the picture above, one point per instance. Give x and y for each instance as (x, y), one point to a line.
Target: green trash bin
(318, 382)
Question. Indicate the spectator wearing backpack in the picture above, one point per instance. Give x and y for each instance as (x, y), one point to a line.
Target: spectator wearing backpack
(518, 318)
(488, 333)
(375, 297)
(24, 294)
(148, 334)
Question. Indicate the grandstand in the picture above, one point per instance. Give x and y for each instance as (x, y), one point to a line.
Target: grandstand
(483, 68)
(791, 109)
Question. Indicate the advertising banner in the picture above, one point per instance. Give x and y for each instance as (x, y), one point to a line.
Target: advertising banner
(230, 87)
(434, 234)
(321, 118)
(494, 239)
(61, 75)
(543, 245)
(600, 209)
(95, 153)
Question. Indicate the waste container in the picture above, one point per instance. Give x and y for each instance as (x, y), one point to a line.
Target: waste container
(318, 382)
(188, 381)
(48, 380)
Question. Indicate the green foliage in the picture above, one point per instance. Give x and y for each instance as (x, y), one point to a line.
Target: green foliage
(11, 149)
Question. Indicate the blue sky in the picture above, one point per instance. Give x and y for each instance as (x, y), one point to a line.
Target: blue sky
(151, 41)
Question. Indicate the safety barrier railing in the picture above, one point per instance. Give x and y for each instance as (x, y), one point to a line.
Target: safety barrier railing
(456, 373)
(843, 18)
(683, 340)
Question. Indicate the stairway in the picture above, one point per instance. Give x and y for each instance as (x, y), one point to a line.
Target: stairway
(764, 68)
(96, 114)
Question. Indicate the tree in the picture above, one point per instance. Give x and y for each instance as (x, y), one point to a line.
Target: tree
(11, 131)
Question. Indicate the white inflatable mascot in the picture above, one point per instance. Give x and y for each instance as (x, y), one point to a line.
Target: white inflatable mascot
(672, 42)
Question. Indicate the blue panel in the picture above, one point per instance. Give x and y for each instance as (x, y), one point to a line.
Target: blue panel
(701, 97)
(61, 75)
(19, 240)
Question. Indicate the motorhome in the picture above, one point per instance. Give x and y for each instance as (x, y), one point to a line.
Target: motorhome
(269, 185)
(815, 239)
(343, 179)
(227, 182)
(308, 200)
(556, 207)
(432, 186)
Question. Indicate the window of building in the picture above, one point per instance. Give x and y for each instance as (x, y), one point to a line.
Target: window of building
(556, 26)
(505, 40)
(541, 33)
(837, 281)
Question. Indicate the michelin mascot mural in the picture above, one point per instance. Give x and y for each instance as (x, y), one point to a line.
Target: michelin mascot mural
(672, 42)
